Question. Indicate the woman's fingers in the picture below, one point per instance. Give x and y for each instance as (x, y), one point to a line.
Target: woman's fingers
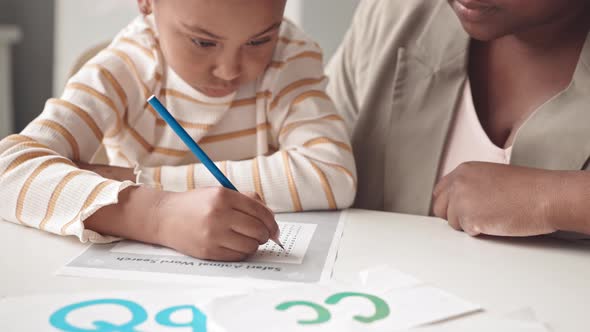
(441, 197)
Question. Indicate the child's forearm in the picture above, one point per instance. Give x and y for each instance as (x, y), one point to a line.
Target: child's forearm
(110, 172)
(287, 180)
(133, 217)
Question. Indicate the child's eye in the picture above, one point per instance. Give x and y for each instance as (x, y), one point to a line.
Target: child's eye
(204, 43)
(258, 42)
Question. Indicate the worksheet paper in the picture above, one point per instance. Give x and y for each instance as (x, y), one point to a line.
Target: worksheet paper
(523, 320)
(342, 308)
(311, 242)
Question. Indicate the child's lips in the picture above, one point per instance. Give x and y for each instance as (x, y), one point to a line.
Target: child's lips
(218, 91)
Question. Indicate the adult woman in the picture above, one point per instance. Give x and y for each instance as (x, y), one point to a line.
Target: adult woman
(428, 85)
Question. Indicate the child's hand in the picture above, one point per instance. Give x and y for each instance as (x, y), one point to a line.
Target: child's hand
(214, 223)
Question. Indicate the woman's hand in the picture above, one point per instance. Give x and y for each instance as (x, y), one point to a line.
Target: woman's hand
(503, 200)
(214, 223)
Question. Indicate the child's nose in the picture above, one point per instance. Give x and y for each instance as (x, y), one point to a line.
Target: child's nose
(228, 70)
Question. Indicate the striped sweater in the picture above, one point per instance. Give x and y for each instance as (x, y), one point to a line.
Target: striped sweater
(278, 136)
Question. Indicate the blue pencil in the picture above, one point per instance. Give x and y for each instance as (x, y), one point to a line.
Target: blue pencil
(194, 147)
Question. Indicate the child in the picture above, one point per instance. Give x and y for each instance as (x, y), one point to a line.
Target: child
(245, 83)
(474, 110)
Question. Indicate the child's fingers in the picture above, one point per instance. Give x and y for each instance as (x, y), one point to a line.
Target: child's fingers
(225, 254)
(251, 227)
(256, 209)
(256, 197)
(239, 243)
(253, 195)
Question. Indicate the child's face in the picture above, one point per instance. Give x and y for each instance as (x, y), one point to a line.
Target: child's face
(218, 45)
(490, 19)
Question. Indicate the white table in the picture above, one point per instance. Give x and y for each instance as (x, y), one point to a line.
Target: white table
(551, 276)
(8, 35)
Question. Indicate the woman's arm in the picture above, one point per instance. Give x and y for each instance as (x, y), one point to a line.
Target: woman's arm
(570, 210)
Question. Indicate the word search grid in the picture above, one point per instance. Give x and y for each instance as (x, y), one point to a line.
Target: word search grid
(295, 237)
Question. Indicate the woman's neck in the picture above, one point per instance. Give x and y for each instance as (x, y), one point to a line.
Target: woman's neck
(563, 33)
(514, 75)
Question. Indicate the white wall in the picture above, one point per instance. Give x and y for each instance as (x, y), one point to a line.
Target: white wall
(327, 21)
(9, 35)
(294, 10)
(81, 24)
(32, 57)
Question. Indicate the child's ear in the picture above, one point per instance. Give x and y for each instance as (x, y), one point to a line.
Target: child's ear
(145, 6)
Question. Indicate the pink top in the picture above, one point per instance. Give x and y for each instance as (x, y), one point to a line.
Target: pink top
(467, 139)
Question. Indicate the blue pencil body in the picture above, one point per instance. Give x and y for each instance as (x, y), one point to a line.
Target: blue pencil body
(192, 145)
